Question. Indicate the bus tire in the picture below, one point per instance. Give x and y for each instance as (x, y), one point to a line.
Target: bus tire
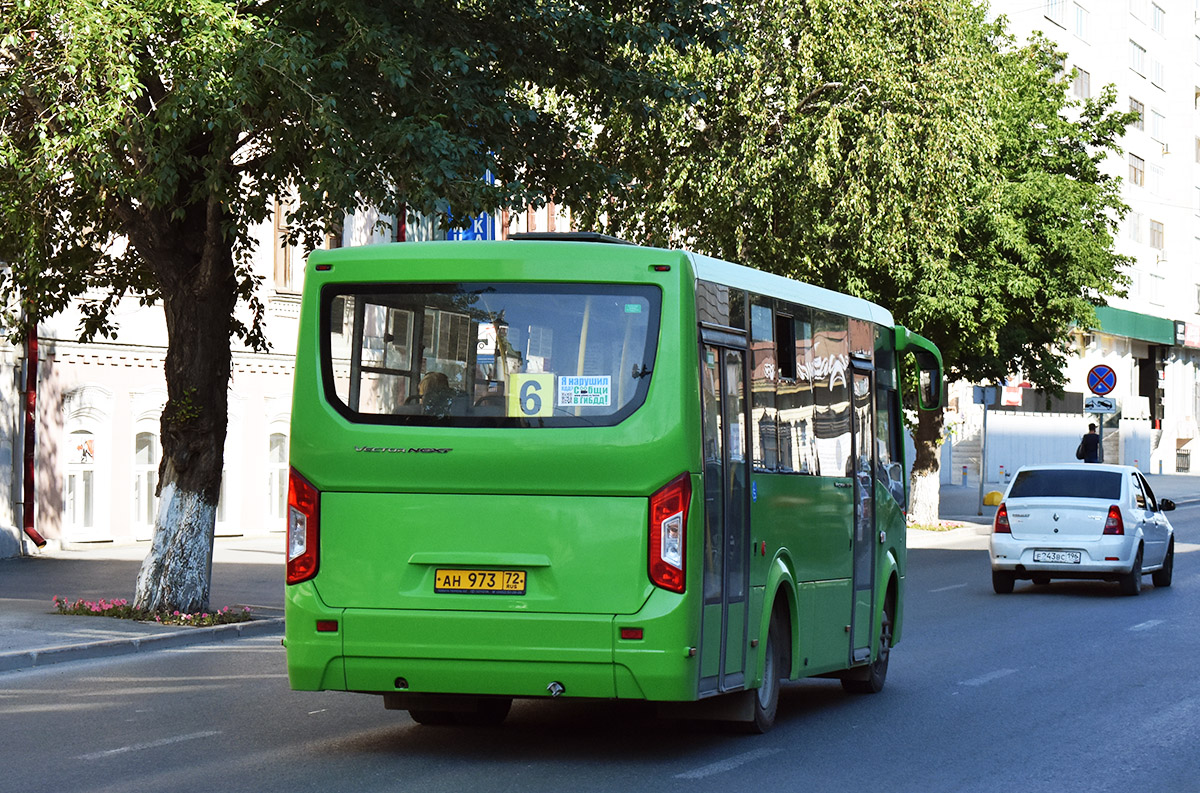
(871, 679)
(766, 698)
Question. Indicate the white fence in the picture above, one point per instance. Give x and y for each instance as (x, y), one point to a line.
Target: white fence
(1016, 439)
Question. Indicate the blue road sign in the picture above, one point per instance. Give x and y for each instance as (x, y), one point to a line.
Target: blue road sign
(483, 227)
(1101, 379)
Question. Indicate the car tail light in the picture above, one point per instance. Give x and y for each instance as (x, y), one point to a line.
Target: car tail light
(1115, 523)
(303, 532)
(668, 529)
(1000, 523)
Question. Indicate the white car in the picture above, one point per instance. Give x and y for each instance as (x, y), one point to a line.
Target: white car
(1081, 520)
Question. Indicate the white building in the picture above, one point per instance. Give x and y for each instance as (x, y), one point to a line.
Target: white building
(99, 406)
(1150, 51)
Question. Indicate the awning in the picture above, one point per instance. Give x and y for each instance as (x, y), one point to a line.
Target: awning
(1133, 325)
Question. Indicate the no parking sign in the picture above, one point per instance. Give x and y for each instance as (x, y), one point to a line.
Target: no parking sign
(1101, 379)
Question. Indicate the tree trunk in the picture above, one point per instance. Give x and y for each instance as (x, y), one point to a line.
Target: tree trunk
(197, 282)
(926, 470)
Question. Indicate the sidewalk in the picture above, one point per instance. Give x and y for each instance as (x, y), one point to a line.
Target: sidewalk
(247, 571)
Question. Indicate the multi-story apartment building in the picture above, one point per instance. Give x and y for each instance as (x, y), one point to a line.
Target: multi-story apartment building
(1150, 51)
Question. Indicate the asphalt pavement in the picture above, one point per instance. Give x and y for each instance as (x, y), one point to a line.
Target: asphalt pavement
(249, 571)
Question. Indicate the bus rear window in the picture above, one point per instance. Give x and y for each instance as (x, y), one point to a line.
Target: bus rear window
(489, 354)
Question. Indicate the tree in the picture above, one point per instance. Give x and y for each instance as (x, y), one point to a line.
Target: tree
(143, 138)
(907, 153)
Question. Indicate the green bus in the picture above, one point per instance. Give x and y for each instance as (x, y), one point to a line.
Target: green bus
(577, 467)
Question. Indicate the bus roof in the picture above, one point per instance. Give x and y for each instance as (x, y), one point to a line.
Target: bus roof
(705, 267)
(764, 283)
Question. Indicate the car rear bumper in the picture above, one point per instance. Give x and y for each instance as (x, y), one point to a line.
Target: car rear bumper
(1108, 556)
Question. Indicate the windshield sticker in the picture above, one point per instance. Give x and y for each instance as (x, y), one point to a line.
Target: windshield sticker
(530, 395)
(574, 391)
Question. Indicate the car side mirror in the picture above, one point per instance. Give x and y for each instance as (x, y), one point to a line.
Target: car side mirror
(1166, 504)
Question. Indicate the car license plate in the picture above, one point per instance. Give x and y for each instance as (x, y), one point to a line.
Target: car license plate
(479, 582)
(1057, 557)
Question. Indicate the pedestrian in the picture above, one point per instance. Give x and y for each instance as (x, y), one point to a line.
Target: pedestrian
(1089, 446)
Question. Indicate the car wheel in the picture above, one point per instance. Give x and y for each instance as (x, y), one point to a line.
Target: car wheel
(1162, 577)
(876, 675)
(1131, 582)
(1003, 581)
(766, 698)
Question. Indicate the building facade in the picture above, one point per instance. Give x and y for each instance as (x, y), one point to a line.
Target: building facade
(99, 404)
(1150, 338)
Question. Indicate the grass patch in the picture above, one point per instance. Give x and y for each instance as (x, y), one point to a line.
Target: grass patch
(943, 525)
(120, 609)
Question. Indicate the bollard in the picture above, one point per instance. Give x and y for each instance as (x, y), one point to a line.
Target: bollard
(1135, 464)
(1001, 479)
(964, 476)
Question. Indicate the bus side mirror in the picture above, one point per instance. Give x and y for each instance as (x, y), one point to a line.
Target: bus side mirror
(929, 391)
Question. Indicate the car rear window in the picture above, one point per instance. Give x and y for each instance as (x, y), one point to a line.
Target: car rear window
(489, 354)
(1069, 483)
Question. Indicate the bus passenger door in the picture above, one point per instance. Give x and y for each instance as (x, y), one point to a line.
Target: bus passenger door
(865, 539)
(726, 519)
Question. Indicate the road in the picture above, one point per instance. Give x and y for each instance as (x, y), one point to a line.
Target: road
(1066, 687)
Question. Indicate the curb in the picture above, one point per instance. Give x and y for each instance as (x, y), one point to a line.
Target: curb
(29, 659)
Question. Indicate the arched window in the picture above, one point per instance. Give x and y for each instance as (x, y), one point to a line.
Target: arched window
(79, 497)
(146, 456)
(277, 462)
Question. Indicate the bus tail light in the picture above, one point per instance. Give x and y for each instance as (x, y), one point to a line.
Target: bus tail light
(1115, 524)
(668, 528)
(303, 531)
(1000, 523)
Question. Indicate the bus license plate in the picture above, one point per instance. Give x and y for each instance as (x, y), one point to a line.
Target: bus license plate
(1057, 557)
(479, 582)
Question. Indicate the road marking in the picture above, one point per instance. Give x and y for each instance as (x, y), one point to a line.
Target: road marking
(989, 677)
(137, 747)
(948, 588)
(1147, 625)
(727, 765)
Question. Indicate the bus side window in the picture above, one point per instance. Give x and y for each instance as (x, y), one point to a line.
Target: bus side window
(798, 409)
(786, 389)
(831, 387)
(889, 471)
(764, 372)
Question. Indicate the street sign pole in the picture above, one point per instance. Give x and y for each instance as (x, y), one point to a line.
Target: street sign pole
(1102, 379)
(985, 395)
(983, 459)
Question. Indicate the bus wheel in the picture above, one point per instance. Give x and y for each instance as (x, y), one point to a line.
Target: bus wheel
(871, 680)
(766, 698)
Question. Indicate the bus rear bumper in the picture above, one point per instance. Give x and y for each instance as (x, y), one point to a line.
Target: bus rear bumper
(490, 653)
